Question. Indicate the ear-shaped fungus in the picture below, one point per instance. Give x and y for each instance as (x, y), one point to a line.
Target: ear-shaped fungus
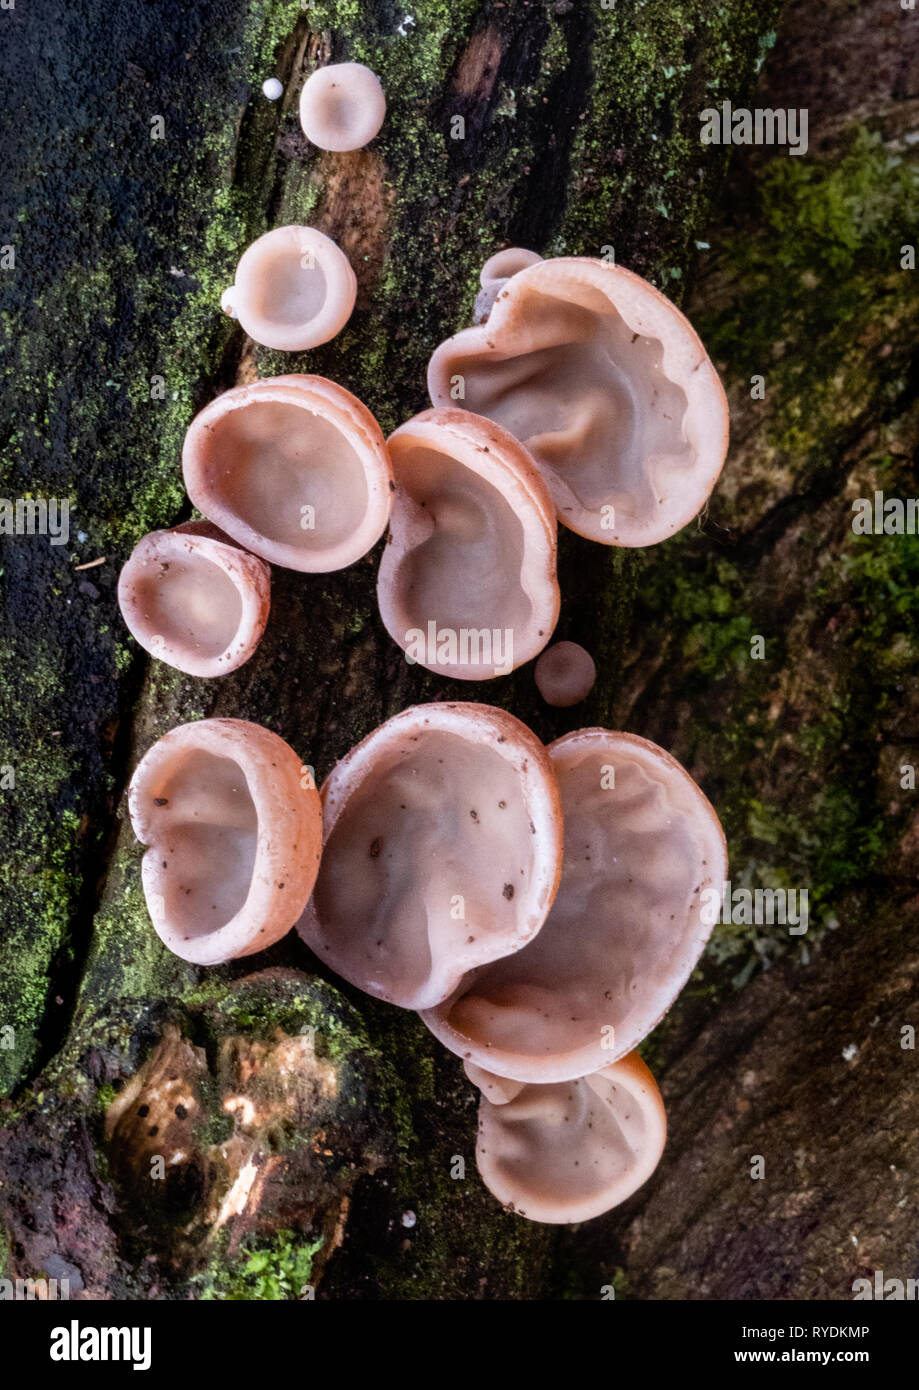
(294, 468)
(570, 1150)
(565, 674)
(235, 834)
(467, 582)
(342, 106)
(194, 599)
(607, 385)
(441, 850)
(294, 289)
(644, 850)
(495, 274)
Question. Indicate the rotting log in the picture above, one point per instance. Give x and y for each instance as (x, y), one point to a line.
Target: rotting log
(581, 131)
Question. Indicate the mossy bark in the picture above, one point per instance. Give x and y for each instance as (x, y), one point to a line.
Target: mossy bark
(581, 131)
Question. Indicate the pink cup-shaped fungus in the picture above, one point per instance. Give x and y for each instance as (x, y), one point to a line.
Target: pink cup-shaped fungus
(607, 385)
(294, 468)
(645, 859)
(571, 1150)
(294, 289)
(495, 274)
(192, 598)
(441, 850)
(342, 106)
(565, 674)
(467, 584)
(235, 833)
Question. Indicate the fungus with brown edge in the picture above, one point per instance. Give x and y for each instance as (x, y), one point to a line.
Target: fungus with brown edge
(467, 584)
(442, 840)
(193, 598)
(294, 289)
(644, 853)
(294, 468)
(565, 674)
(607, 385)
(569, 1150)
(235, 834)
(495, 274)
(342, 106)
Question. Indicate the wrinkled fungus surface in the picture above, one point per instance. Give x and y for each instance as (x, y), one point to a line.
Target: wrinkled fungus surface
(294, 289)
(608, 386)
(342, 106)
(294, 468)
(235, 833)
(570, 1150)
(642, 844)
(467, 583)
(194, 599)
(441, 850)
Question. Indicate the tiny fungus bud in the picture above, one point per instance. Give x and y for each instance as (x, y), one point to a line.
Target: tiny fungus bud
(565, 674)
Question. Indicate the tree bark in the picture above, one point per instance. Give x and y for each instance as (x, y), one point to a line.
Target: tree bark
(286, 1108)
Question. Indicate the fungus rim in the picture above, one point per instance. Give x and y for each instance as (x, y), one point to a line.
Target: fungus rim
(494, 455)
(288, 835)
(486, 726)
(685, 362)
(317, 396)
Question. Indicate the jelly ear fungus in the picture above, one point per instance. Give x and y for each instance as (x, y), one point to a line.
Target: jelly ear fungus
(234, 830)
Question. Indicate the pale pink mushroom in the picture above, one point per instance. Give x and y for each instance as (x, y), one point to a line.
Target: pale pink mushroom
(294, 289)
(607, 385)
(565, 674)
(441, 850)
(495, 274)
(644, 851)
(294, 468)
(193, 598)
(234, 826)
(467, 584)
(570, 1150)
(342, 106)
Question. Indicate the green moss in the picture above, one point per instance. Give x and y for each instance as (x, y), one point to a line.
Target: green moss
(277, 1271)
(812, 259)
(823, 270)
(639, 138)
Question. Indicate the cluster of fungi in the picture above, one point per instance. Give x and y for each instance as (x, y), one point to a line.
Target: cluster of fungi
(539, 907)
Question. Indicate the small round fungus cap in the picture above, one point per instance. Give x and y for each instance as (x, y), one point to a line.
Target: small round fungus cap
(607, 385)
(294, 289)
(294, 468)
(192, 598)
(495, 274)
(565, 674)
(342, 106)
(467, 584)
(574, 1149)
(441, 850)
(644, 868)
(235, 833)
